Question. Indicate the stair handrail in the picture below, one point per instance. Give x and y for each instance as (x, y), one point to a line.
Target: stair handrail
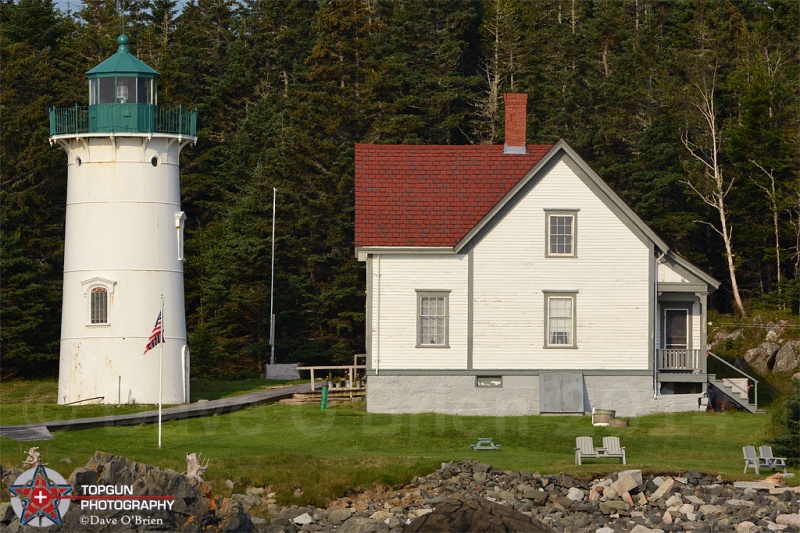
(755, 381)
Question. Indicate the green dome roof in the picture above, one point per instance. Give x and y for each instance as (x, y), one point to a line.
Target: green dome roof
(122, 63)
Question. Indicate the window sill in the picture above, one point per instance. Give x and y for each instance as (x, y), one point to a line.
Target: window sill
(433, 346)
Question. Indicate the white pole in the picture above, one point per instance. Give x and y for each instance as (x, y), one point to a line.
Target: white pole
(161, 369)
(272, 287)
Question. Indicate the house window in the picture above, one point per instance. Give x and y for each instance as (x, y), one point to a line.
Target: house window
(432, 319)
(99, 306)
(560, 322)
(561, 233)
(489, 382)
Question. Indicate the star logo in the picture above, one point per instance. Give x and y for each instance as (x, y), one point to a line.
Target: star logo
(40, 501)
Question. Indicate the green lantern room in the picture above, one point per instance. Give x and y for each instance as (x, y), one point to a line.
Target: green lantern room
(122, 93)
(123, 98)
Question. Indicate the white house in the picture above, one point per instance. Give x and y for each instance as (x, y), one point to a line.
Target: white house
(511, 280)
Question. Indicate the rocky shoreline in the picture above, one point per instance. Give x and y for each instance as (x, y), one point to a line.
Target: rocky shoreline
(625, 501)
(489, 500)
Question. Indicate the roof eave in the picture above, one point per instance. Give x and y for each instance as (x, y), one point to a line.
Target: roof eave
(363, 251)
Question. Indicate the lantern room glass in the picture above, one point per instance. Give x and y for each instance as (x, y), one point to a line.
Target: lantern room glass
(122, 90)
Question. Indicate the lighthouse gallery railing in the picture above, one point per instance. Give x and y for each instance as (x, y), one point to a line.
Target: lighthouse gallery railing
(123, 118)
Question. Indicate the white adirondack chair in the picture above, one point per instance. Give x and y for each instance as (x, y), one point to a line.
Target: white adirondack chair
(613, 448)
(750, 459)
(584, 448)
(769, 461)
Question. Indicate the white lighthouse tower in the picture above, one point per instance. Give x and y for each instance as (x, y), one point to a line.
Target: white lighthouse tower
(123, 248)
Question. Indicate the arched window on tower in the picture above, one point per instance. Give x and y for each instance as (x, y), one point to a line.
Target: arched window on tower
(99, 306)
(99, 299)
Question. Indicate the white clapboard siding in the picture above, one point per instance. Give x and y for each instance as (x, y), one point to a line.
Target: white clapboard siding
(394, 311)
(667, 275)
(610, 275)
(697, 329)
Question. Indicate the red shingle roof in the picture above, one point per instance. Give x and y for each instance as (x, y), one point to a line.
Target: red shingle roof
(408, 195)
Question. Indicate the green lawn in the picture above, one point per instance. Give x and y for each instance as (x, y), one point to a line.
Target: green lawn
(326, 453)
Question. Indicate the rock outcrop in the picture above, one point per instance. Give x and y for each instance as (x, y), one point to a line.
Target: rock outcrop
(469, 492)
(788, 357)
(623, 502)
(777, 351)
(193, 506)
(762, 357)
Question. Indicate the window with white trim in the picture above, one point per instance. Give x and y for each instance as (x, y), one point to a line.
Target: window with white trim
(561, 227)
(560, 320)
(180, 220)
(98, 296)
(432, 318)
(99, 306)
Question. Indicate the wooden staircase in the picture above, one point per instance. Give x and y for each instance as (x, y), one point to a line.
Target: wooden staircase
(736, 390)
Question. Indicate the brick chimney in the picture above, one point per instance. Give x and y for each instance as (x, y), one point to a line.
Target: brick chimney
(516, 117)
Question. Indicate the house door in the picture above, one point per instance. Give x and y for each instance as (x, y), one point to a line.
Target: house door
(560, 392)
(676, 329)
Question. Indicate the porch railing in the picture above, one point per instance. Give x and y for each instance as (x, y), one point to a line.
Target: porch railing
(678, 359)
(748, 376)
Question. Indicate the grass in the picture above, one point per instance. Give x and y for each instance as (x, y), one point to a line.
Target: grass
(327, 453)
(27, 402)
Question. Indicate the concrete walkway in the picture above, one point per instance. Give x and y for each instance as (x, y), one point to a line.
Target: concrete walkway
(41, 431)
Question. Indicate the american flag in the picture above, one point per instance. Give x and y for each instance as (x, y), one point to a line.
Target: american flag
(156, 335)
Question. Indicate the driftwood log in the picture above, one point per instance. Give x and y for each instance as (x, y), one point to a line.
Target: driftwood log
(34, 458)
(195, 469)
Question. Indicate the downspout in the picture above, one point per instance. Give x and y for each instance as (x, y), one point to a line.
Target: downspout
(655, 326)
(378, 316)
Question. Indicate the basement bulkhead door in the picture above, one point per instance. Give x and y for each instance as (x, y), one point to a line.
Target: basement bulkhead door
(561, 392)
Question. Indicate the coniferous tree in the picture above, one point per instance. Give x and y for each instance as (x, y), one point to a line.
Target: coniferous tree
(285, 88)
(37, 73)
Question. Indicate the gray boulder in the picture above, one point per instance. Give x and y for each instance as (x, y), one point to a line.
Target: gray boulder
(232, 517)
(476, 514)
(194, 507)
(762, 358)
(362, 524)
(788, 357)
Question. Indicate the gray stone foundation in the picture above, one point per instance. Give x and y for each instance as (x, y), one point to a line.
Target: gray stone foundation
(628, 395)
(453, 395)
(633, 396)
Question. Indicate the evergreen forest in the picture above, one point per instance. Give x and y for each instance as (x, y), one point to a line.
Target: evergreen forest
(688, 109)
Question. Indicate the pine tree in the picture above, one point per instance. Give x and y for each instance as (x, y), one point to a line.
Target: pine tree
(38, 72)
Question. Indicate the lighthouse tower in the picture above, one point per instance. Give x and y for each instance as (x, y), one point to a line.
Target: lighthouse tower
(123, 247)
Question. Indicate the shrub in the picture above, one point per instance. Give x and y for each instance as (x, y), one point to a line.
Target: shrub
(787, 419)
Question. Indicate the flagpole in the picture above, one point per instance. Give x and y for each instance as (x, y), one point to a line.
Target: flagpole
(272, 287)
(160, 369)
